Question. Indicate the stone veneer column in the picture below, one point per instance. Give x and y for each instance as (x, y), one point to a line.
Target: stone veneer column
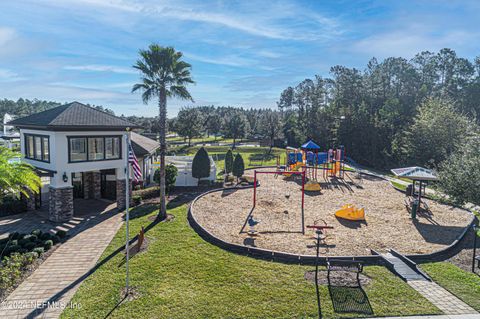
(61, 204)
(121, 194)
(96, 186)
(87, 185)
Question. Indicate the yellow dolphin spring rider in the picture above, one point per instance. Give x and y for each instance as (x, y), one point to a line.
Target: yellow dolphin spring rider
(350, 212)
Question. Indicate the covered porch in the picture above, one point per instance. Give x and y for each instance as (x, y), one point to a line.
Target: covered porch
(76, 194)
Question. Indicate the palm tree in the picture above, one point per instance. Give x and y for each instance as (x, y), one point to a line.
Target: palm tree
(163, 75)
(16, 176)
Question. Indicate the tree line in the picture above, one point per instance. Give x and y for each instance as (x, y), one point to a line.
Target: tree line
(229, 122)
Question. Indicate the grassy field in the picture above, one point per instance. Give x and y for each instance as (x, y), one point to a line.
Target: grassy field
(182, 276)
(465, 285)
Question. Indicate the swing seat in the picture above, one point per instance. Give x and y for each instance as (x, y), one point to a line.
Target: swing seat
(312, 187)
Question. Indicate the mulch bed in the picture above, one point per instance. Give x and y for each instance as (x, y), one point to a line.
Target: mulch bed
(278, 208)
(28, 271)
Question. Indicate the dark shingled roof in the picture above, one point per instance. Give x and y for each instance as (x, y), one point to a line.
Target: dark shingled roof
(143, 145)
(73, 116)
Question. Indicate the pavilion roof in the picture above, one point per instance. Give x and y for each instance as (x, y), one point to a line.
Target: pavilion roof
(415, 173)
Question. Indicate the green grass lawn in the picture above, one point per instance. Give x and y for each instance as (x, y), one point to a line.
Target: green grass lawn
(465, 285)
(182, 276)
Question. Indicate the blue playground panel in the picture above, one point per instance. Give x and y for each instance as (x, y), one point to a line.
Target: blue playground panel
(292, 159)
(322, 157)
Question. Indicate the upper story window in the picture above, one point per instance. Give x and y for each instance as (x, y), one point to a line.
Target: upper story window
(93, 148)
(37, 147)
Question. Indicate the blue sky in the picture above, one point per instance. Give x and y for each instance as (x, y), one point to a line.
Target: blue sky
(243, 53)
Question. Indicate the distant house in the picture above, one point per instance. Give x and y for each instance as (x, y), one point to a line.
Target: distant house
(184, 166)
(81, 150)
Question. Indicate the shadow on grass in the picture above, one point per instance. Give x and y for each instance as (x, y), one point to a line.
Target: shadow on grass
(350, 300)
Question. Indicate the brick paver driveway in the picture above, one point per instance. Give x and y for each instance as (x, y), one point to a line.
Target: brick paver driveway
(49, 289)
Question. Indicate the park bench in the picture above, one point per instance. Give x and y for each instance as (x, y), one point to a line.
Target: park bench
(344, 265)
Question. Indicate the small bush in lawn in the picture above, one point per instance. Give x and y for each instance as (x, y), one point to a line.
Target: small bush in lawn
(47, 244)
(46, 236)
(39, 250)
(137, 200)
(61, 233)
(36, 232)
(55, 239)
(4, 241)
(14, 235)
(13, 242)
(22, 250)
(29, 245)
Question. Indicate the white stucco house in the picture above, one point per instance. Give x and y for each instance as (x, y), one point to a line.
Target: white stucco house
(82, 151)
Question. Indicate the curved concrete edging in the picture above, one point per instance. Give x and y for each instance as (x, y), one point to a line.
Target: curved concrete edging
(285, 257)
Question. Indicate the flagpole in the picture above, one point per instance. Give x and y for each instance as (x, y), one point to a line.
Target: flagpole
(127, 204)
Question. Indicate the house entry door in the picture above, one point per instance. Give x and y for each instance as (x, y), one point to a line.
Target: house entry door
(77, 183)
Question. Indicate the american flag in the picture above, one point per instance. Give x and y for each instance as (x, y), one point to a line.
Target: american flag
(132, 159)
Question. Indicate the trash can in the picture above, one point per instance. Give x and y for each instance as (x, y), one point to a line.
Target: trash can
(414, 208)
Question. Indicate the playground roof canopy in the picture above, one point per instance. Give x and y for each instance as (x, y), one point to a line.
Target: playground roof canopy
(415, 173)
(310, 145)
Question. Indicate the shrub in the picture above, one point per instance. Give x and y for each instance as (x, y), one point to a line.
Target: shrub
(29, 245)
(36, 232)
(47, 244)
(171, 173)
(4, 241)
(238, 166)
(55, 239)
(14, 235)
(61, 233)
(39, 250)
(13, 242)
(201, 164)
(46, 236)
(12, 249)
(137, 199)
(150, 192)
(12, 267)
(32, 238)
(11, 206)
(22, 250)
(228, 162)
(23, 241)
(32, 255)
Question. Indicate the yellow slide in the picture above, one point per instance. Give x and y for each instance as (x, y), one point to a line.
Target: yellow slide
(350, 212)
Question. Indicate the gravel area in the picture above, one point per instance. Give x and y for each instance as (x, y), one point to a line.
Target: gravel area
(388, 223)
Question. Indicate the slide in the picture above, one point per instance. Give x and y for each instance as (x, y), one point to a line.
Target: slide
(350, 212)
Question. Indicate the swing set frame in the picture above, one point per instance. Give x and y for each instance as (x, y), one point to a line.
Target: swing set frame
(301, 173)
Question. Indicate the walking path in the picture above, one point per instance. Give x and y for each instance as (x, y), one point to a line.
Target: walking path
(49, 289)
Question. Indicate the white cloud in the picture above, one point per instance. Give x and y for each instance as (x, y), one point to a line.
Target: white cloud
(9, 76)
(229, 60)
(6, 35)
(281, 21)
(407, 43)
(100, 68)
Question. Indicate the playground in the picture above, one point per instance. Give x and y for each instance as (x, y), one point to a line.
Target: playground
(365, 211)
